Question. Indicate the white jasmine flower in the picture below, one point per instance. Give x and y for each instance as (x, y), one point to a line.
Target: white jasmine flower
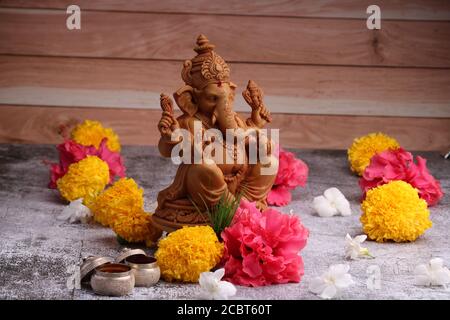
(332, 202)
(331, 283)
(212, 288)
(75, 212)
(353, 249)
(434, 273)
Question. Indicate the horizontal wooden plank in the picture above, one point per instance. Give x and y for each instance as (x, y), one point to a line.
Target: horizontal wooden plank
(238, 39)
(137, 126)
(391, 9)
(410, 92)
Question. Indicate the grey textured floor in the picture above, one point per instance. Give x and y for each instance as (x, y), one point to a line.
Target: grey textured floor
(37, 250)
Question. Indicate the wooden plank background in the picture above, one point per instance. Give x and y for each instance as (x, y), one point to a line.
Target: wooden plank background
(392, 9)
(137, 126)
(316, 61)
(278, 40)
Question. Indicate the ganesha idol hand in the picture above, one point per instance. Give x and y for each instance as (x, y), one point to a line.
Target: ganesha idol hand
(260, 116)
(168, 124)
(253, 95)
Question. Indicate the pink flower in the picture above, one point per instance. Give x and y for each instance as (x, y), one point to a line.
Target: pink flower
(262, 248)
(292, 172)
(71, 152)
(113, 159)
(56, 172)
(399, 165)
(429, 188)
(279, 196)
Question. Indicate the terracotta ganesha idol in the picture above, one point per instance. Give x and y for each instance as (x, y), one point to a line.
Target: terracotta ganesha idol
(206, 99)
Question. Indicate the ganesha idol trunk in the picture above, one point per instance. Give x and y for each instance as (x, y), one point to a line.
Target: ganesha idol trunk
(206, 101)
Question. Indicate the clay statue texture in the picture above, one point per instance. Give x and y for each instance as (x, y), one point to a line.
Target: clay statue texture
(207, 97)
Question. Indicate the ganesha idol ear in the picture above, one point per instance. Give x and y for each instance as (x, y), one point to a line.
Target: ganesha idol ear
(184, 97)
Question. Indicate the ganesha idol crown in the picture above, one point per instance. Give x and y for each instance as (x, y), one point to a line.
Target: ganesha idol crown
(207, 67)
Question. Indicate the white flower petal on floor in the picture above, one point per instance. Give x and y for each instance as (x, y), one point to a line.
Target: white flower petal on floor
(434, 273)
(353, 249)
(76, 212)
(331, 203)
(329, 292)
(212, 288)
(323, 207)
(332, 282)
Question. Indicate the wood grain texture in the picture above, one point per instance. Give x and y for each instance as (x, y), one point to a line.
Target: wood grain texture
(253, 39)
(391, 9)
(42, 124)
(410, 92)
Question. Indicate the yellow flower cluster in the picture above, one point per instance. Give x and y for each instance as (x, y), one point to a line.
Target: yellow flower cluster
(123, 197)
(187, 252)
(84, 179)
(91, 133)
(134, 227)
(364, 148)
(395, 212)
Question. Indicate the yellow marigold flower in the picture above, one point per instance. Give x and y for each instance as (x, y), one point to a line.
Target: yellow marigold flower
(364, 148)
(134, 227)
(91, 133)
(394, 211)
(84, 179)
(187, 252)
(123, 197)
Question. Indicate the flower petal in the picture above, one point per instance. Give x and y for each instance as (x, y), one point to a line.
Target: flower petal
(317, 285)
(205, 278)
(422, 280)
(329, 292)
(75, 212)
(436, 263)
(351, 253)
(343, 206)
(219, 273)
(360, 238)
(226, 290)
(251, 265)
(343, 281)
(323, 207)
(339, 269)
(279, 196)
(333, 194)
(442, 277)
